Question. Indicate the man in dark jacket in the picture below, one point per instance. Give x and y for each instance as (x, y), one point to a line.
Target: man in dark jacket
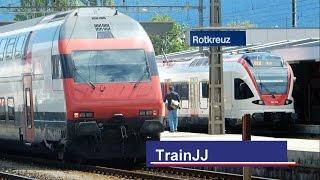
(173, 100)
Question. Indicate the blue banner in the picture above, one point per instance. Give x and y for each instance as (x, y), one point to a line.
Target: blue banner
(217, 38)
(180, 153)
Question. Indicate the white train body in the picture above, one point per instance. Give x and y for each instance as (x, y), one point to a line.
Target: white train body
(252, 97)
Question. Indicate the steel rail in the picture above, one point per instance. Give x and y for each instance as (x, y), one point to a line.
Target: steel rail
(205, 174)
(169, 173)
(128, 174)
(4, 175)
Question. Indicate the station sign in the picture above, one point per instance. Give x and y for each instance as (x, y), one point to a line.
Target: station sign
(217, 38)
(217, 153)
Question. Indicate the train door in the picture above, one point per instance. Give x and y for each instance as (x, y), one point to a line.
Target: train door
(28, 109)
(182, 88)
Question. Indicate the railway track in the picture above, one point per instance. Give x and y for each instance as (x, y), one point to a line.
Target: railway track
(199, 174)
(9, 176)
(173, 173)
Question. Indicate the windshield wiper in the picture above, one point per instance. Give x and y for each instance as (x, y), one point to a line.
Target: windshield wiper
(145, 72)
(88, 82)
(265, 87)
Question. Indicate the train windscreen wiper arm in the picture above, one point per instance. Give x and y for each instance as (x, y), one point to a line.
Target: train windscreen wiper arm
(88, 82)
(265, 87)
(141, 78)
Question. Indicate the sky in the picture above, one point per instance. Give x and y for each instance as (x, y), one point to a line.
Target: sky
(262, 13)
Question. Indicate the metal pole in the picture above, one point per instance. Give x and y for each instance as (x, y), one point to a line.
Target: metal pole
(246, 136)
(294, 13)
(216, 123)
(200, 10)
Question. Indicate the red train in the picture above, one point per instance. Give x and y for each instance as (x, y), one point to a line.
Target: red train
(83, 82)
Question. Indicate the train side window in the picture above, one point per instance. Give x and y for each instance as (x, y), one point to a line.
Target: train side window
(2, 47)
(241, 90)
(56, 67)
(10, 48)
(182, 89)
(11, 111)
(2, 109)
(19, 47)
(205, 89)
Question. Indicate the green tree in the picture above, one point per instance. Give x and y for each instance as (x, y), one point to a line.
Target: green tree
(101, 2)
(241, 24)
(36, 8)
(172, 41)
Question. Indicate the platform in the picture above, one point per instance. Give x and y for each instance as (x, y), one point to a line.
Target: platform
(307, 129)
(304, 151)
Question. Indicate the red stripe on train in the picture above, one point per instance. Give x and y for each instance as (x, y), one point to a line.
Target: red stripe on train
(67, 46)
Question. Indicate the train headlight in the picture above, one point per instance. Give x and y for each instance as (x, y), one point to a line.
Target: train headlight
(89, 114)
(288, 101)
(142, 112)
(148, 112)
(259, 102)
(83, 115)
(154, 112)
(76, 115)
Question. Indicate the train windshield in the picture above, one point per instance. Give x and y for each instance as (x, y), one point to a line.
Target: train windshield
(269, 72)
(129, 65)
(271, 81)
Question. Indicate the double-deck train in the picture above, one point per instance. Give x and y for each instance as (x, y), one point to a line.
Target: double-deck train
(83, 82)
(256, 83)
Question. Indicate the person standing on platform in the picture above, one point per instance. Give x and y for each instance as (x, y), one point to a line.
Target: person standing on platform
(172, 99)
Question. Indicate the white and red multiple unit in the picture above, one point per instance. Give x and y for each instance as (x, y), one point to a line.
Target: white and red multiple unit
(257, 83)
(83, 81)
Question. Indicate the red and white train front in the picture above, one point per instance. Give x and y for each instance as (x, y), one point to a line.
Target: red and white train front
(271, 85)
(111, 83)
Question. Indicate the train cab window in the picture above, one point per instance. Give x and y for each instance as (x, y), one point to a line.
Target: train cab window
(241, 90)
(199, 62)
(2, 47)
(205, 89)
(204, 61)
(56, 67)
(10, 48)
(117, 65)
(19, 47)
(2, 109)
(11, 111)
(193, 63)
(182, 89)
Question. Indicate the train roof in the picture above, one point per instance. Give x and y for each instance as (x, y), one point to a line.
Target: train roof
(119, 23)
